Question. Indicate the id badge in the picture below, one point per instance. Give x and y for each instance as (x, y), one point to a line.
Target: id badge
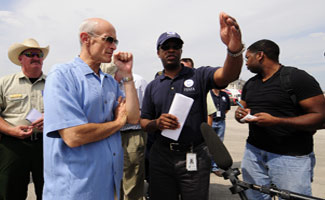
(218, 113)
(191, 162)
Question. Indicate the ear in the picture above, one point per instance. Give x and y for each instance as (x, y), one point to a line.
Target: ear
(20, 58)
(260, 56)
(158, 53)
(84, 38)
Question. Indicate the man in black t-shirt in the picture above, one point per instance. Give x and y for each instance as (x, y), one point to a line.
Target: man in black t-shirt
(279, 147)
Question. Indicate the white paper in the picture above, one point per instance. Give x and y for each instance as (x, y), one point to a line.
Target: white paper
(33, 115)
(180, 108)
(248, 116)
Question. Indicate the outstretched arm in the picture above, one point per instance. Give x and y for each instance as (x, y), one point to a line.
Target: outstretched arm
(231, 36)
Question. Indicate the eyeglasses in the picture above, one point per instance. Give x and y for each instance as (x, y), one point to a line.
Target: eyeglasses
(175, 47)
(32, 54)
(107, 38)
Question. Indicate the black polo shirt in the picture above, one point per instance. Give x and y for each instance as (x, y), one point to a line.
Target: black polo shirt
(269, 97)
(222, 104)
(194, 83)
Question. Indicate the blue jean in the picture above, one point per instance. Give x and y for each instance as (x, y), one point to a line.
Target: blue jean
(219, 128)
(293, 173)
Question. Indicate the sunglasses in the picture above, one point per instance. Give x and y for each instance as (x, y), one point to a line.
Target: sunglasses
(175, 47)
(32, 54)
(109, 39)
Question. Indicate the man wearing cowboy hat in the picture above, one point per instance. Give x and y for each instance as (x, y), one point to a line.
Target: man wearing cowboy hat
(20, 135)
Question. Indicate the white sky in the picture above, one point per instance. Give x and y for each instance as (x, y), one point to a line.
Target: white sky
(297, 26)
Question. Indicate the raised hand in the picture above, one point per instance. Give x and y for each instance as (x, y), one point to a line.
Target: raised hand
(230, 33)
(124, 62)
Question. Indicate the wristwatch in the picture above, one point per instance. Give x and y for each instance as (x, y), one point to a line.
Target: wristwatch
(234, 55)
(127, 79)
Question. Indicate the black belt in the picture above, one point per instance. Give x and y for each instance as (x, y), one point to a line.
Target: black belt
(177, 146)
(130, 130)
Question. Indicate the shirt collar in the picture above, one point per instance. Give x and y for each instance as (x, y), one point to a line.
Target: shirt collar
(183, 72)
(22, 75)
(85, 68)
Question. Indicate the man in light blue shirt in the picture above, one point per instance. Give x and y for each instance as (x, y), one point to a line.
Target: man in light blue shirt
(84, 110)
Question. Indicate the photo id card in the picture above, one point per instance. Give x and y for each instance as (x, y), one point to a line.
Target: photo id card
(191, 162)
(218, 113)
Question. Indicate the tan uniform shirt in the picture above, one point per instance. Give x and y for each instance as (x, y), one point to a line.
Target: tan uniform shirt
(210, 104)
(18, 96)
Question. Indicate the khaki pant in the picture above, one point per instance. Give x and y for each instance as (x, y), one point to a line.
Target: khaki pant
(134, 145)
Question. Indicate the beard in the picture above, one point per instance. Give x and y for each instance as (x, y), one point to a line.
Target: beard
(171, 67)
(255, 69)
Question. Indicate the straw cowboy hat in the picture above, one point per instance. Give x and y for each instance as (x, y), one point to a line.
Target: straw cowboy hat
(16, 49)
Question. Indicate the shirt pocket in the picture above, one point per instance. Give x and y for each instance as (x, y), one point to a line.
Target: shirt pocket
(16, 103)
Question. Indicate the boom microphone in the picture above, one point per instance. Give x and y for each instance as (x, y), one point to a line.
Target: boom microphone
(217, 149)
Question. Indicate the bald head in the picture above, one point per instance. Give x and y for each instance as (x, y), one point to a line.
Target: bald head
(95, 25)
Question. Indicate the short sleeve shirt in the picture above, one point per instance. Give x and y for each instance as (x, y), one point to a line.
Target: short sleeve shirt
(193, 83)
(18, 95)
(269, 97)
(222, 104)
(75, 95)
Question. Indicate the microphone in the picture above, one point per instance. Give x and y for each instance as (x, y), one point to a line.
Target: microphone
(222, 158)
(217, 149)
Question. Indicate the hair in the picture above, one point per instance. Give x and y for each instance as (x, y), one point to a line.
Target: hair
(188, 60)
(268, 47)
(88, 26)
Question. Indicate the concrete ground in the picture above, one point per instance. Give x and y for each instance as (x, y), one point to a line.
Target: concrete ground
(235, 138)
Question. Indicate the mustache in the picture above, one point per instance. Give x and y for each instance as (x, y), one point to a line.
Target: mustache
(35, 61)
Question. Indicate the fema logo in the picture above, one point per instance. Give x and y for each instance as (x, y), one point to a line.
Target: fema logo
(188, 83)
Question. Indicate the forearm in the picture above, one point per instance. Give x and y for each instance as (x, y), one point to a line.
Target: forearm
(149, 125)
(314, 108)
(308, 122)
(210, 119)
(5, 128)
(132, 103)
(230, 70)
(91, 132)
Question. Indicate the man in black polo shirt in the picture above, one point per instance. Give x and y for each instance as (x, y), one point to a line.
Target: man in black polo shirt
(169, 176)
(279, 147)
